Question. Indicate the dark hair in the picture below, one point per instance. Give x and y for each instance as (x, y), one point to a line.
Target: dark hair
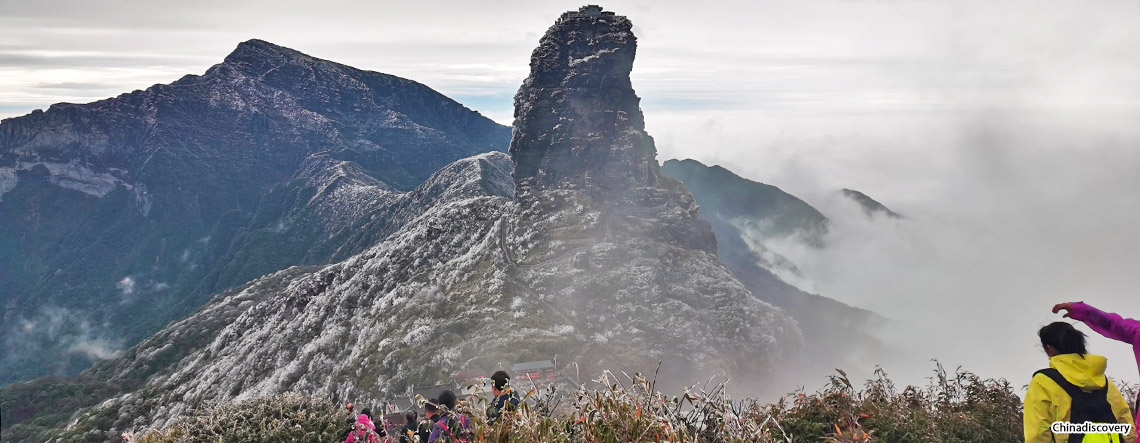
(447, 398)
(367, 412)
(410, 416)
(500, 379)
(430, 406)
(1063, 337)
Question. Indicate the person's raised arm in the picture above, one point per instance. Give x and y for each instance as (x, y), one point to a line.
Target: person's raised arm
(1104, 323)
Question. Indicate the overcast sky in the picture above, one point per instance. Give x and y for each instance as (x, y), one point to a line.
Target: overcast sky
(1005, 130)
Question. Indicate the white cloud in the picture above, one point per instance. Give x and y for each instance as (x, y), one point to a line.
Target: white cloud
(1007, 214)
(100, 349)
(126, 285)
(65, 328)
(823, 56)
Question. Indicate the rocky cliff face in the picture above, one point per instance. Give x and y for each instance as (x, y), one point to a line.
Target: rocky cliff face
(597, 259)
(120, 215)
(608, 239)
(577, 118)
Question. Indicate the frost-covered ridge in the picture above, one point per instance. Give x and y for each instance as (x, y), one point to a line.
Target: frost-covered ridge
(268, 159)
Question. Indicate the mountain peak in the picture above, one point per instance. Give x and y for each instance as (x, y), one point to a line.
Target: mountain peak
(256, 46)
(259, 56)
(578, 122)
(258, 43)
(870, 205)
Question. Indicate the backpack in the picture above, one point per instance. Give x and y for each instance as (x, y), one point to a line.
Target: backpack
(362, 434)
(455, 428)
(423, 430)
(1090, 406)
(508, 402)
(408, 433)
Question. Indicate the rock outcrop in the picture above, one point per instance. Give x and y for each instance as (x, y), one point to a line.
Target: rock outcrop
(577, 118)
(603, 236)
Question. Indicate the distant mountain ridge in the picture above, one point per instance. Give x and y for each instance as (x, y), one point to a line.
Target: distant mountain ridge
(745, 214)
(741, 210)
(120, 215)
(870, 205)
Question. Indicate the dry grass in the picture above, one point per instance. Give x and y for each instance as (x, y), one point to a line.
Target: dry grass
(953, 407)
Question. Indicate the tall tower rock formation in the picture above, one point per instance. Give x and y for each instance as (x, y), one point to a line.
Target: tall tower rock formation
(577, 118)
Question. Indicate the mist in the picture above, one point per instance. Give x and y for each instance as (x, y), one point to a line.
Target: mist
(83, 339)
(1004, 133)
(1006, 214)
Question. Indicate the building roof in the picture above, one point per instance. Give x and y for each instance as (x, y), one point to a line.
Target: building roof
(468, 374)
(532, 366)
(404, 402)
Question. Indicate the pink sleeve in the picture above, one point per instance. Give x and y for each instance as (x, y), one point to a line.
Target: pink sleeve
(1107, 324)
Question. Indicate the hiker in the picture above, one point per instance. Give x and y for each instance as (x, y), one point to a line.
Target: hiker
(381, 430)
(1074, 389)
(408, 434)
(505, 399)
(450, 426)
(350, 421)
(363, 431)
(1109, 325)
(368, 413)
(431, 415)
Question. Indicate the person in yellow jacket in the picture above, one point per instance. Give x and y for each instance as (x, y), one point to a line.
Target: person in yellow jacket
(1073, 372)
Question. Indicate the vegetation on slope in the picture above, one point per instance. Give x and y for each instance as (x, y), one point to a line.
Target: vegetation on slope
(952, 407)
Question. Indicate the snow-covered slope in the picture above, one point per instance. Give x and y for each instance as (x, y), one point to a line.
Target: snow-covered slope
(354, 328)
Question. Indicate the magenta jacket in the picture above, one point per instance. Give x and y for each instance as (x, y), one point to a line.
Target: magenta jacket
(1112, 326)
(364, 431)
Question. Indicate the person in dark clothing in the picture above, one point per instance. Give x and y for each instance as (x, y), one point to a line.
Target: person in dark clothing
(431, 415)
(350, 421)
(450, 424)
(448, 399)
(408, 433)
(505, 399)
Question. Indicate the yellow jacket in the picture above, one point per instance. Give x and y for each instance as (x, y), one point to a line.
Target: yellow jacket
(1046, 402)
